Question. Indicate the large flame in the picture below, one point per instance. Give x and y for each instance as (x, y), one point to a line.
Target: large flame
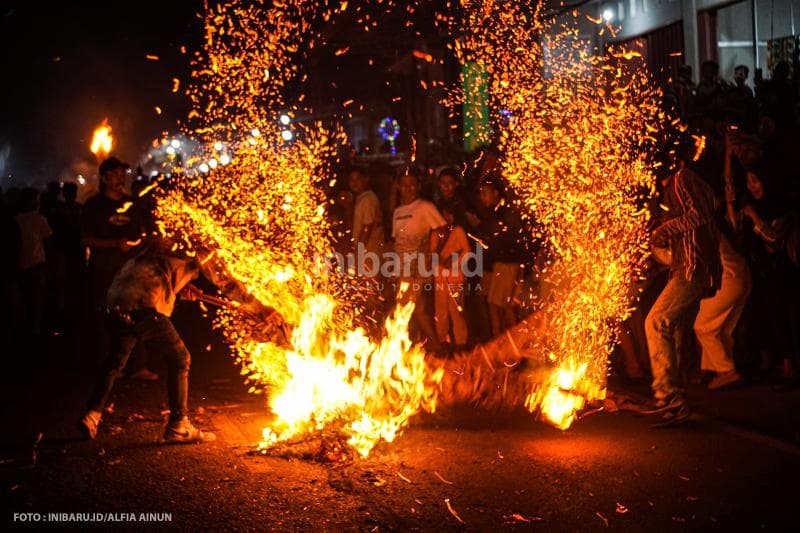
(570, 153)
(102, 140)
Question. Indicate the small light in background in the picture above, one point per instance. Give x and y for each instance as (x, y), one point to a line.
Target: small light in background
(213, 163)
(608, 14)
(255, 132)
(175, 143)
(203, 168)
(285, 119)
(287, 135)
(170, 150)
(224, 159)
(217, 146)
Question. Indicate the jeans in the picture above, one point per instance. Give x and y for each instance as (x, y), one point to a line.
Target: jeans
(158, 336)
(668, 327)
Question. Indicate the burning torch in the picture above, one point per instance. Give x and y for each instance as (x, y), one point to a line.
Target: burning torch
(102, 141)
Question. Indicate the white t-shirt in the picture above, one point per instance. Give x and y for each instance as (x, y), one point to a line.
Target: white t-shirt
(411, 228)
(367, 210)
(33, 229)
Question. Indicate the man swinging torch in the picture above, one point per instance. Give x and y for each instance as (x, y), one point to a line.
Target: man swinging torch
(139, 305)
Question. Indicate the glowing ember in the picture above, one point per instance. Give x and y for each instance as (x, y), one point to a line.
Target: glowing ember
(571, 150)
(576, 152)
(265, 216)
(102, 140)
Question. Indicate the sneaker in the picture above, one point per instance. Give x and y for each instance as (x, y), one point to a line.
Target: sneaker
(183, 431)
(677, 414)
(725, 379)
(89, 423)
(662, 405)
(145, 375)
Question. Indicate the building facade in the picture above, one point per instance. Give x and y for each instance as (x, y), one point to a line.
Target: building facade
(755, 33)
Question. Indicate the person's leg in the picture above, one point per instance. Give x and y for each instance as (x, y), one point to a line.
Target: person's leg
(744, 286)
(442, 304)
(122, 342)
(664, 328)
(709, 327)
(456, 312)
(413, 290)
(496, 319)
(159, 337)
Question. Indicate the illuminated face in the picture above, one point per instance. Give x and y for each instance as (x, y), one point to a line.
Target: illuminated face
(357, 182)
(447, 185)
(408, 188)
(755, 186)
(114, 180)
(489, 196)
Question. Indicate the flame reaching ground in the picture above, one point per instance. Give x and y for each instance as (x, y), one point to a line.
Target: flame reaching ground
(572, 152)
(102, 140)
(577, 152)
(264, 215)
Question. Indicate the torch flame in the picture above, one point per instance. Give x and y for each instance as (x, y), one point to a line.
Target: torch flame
(102, 140)
(571, 155)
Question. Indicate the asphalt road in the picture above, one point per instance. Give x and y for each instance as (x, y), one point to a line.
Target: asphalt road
(734, 466)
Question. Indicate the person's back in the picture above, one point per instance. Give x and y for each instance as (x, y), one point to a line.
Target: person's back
(150, 280)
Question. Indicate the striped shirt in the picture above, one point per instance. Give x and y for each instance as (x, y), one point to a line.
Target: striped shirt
(690, 231)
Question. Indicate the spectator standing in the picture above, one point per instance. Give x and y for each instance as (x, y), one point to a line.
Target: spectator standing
(450, 286)
(414, 229)
(34, 230)
(695, 273)
(109, 231)
(500, 233)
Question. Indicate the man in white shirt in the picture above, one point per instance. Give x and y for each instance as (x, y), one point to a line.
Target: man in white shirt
(413, 229)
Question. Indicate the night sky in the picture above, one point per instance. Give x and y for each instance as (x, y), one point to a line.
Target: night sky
(66, 67)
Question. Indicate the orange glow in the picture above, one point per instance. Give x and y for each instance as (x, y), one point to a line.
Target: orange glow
(102, 140)
(575, 153)
(422, 55)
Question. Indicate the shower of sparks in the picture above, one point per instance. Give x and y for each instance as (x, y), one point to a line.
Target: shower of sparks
(264, 215)
(576, 151)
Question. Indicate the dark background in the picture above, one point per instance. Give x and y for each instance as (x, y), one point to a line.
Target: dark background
(66, 66)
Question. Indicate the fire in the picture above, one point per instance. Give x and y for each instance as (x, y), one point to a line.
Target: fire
(570, 152)
(102, 140)
(264, 215)
(577, 154)
(372, 387)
